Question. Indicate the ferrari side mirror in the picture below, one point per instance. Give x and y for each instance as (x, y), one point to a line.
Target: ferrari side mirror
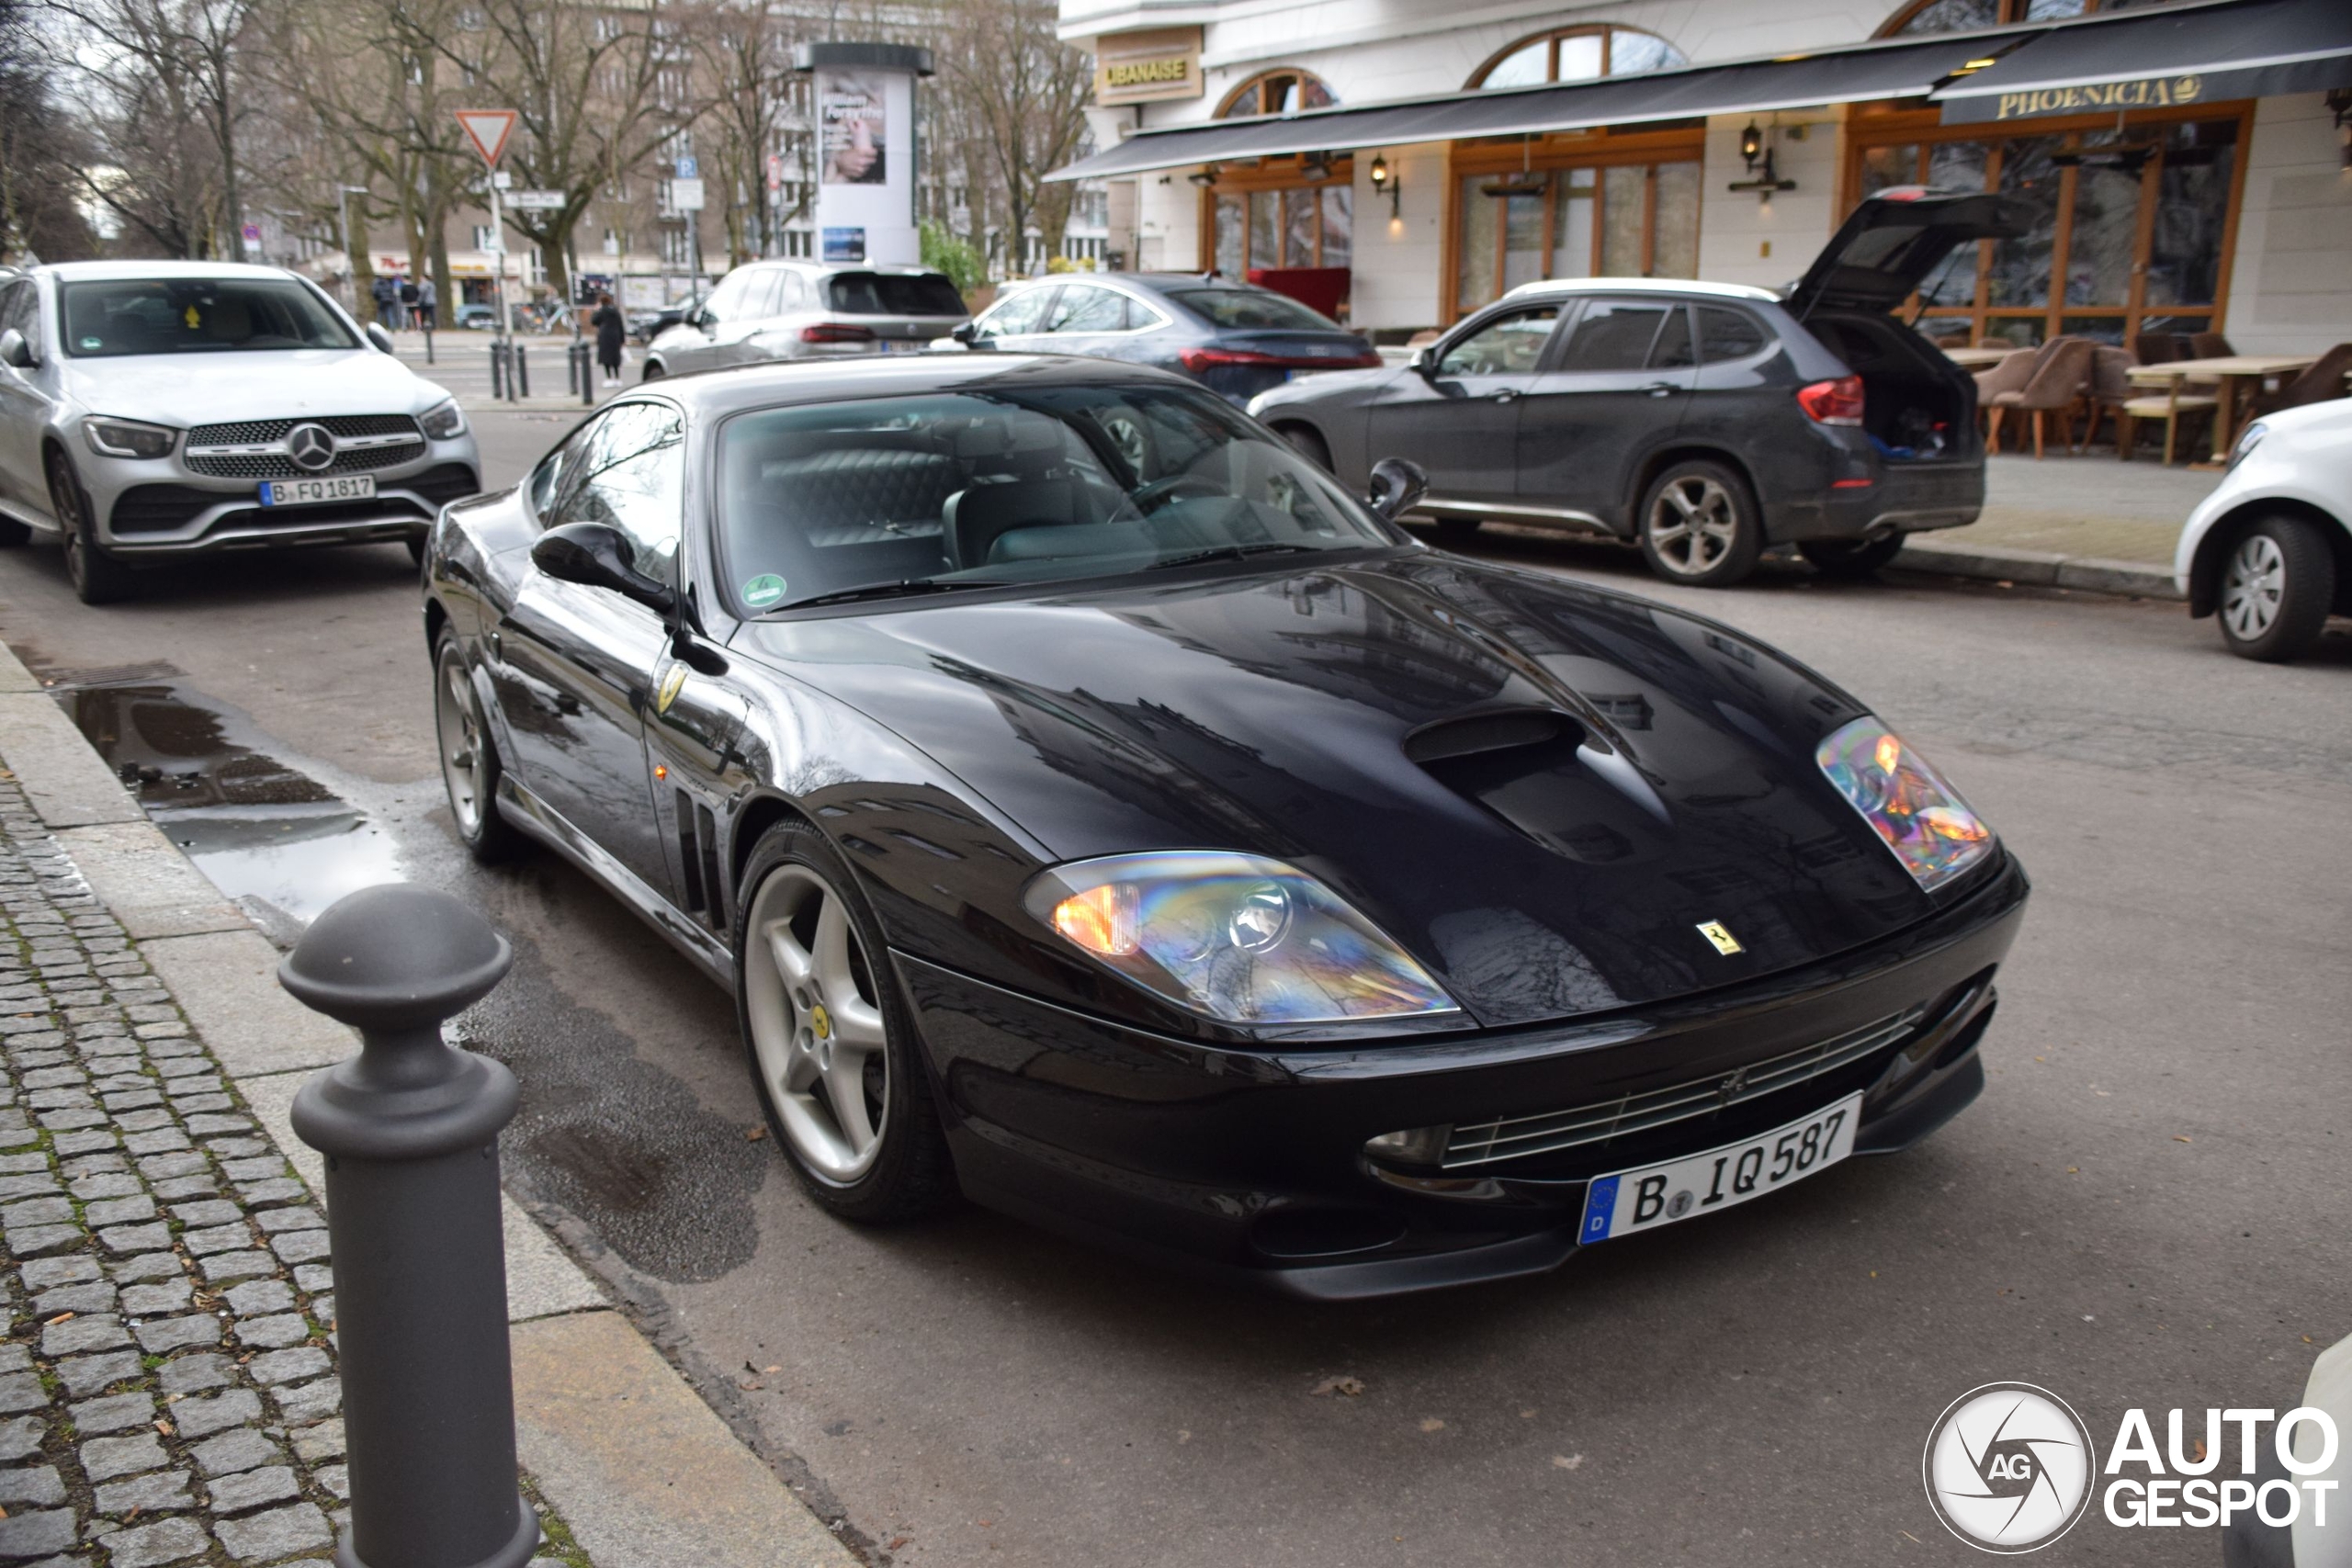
(595, 555)
(1397, 485)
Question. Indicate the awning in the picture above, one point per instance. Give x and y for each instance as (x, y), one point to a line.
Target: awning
(2160, 57)
(1897, 68)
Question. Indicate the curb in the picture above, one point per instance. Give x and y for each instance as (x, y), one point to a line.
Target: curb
(2088, 573)
(639, 1467)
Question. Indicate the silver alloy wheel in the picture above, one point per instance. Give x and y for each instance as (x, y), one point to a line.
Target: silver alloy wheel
(1692, 525)
(461, 767)
(2255, 586)
(817, 1026)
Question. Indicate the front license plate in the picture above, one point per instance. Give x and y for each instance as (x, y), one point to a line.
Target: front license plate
(1656, 1195)
(310, 492)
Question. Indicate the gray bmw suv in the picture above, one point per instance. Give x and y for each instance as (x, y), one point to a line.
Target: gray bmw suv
(1705, 421)
(151, 409)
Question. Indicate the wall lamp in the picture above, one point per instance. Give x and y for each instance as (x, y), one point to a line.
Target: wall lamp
(1766, 180)
(1751, 145)
(2339, 104)
(1204, 178)
(1385, 182)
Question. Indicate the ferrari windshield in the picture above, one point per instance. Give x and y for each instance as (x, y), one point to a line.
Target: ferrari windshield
(896, 495)
(197, 315)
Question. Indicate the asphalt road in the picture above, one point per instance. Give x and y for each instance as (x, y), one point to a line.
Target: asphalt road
(2146, 1208)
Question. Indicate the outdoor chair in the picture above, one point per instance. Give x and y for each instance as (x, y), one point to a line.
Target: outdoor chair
(2111, 388)
(2156, 348)
(2322, 382)
(2008, 375)
(2058, 378)
(2208, 345)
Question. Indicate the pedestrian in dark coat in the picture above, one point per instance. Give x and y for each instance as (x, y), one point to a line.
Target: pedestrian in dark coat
(611, 328)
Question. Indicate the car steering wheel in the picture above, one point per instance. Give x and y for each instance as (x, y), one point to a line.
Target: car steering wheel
(1147, 497)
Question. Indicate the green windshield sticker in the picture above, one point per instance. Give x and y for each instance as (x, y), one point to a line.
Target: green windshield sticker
(764, 589)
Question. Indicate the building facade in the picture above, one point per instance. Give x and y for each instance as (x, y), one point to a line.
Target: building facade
(2167, 207)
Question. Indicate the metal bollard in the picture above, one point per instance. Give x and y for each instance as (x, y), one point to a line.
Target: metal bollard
(588, 375)
(522, 371)
(410, 1129)
(572, 369)
(428, 345)
(497, 386)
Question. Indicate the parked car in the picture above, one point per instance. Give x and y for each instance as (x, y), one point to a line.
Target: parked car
(1236, 339)
(478, 318)
(1705, 421)
(647, 325)
(153, 410)
(1098, 810)
(799, 309)
(2271, 550)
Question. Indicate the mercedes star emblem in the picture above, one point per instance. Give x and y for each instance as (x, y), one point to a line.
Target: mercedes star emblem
(310, 446)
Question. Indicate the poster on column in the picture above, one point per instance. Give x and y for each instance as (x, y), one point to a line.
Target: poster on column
(854, 110)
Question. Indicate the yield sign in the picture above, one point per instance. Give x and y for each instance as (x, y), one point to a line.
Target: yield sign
(488, 131)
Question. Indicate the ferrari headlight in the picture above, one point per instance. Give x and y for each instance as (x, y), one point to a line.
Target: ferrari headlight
(443, 421)
(1235, 937)
(1921, 818)
(127, 438)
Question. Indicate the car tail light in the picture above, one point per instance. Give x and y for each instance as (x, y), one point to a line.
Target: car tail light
(1199, 359)
(835, 332)
(1833, 402)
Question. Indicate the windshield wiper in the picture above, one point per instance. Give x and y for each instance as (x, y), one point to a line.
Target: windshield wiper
(1234, 552)
(899, 589)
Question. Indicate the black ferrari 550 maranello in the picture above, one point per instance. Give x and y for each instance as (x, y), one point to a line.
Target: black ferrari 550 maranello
(1098, 811)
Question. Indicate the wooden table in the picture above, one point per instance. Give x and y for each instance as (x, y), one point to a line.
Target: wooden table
(1975, 359)
(2233, 372)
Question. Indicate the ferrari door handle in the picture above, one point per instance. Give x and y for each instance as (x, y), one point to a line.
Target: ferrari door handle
(1657, 388)
(1505, 396)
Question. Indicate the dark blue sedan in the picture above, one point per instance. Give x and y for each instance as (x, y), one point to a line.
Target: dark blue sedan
(1236, 339)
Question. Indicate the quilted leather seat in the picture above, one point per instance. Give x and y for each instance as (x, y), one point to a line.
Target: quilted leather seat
(845, 487)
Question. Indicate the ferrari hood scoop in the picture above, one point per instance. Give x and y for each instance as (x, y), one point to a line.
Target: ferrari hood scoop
(1543, 791)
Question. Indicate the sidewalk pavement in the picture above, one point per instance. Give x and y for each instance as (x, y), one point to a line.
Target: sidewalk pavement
(461, 363)
(168, 1386)
(2090, 521)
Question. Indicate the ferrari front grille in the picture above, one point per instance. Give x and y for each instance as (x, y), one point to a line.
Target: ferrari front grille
(1516, 1137)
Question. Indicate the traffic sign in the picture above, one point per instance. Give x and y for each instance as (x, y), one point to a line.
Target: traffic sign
(488, 131)
(686, 196)
(252, 236)
(688, 168)
(536, 200)
(775, 171)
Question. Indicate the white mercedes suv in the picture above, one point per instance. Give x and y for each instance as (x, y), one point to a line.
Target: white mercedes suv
(155, 409)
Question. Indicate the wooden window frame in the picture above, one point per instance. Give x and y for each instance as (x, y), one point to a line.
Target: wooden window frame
(1553, 154)
(1256, 85)
(2013, 12)
(1279, 174)
(1897, 125)
(1552, 37)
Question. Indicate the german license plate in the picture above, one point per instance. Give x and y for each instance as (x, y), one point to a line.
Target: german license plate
(902, 345)
(1654, 1195)
(310, 492)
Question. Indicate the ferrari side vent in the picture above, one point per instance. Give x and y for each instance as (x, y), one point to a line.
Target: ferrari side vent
(714, 913)
(690, 859)
(1503, 729)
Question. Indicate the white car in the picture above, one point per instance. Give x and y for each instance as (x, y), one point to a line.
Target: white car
(153, 410)
(2271, 550)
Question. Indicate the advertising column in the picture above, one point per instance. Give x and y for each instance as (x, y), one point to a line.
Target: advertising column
(864, 111)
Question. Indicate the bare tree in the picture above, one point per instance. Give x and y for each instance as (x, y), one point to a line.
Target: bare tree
(1016, 106)
(39, 147)
(744, 87)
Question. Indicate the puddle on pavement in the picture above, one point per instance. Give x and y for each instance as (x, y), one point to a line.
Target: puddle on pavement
(270, 837)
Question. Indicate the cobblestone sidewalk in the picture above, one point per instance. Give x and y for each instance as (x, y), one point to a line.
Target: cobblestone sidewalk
(167, 1387)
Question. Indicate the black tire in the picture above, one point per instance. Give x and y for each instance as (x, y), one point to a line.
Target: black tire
(13, 533)
(911, 1173)
(1308, 444)
(1700, 525)
(2277, 583)
(1851, 559)
(489, 836)
(97, 577)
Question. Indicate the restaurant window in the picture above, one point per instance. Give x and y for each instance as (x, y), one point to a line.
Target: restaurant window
(1577, 54)
(2129, 230)
(1967, 15)
(1277, 92)
(1631, 219)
